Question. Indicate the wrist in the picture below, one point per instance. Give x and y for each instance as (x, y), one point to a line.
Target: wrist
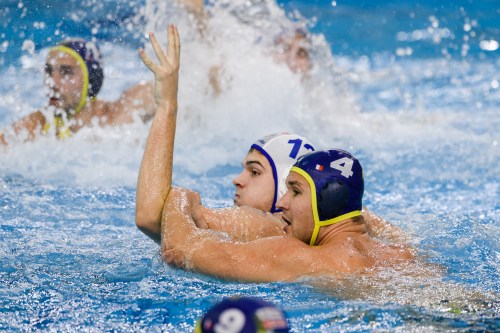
(166, 106)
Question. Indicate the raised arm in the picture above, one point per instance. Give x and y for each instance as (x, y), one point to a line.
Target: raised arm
(155, 174)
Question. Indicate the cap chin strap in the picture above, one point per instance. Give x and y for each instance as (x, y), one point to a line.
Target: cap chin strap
(314, 203)
(197, 328)
(85, 72)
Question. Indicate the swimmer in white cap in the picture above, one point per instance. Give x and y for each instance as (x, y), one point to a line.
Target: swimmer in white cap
(155, 174)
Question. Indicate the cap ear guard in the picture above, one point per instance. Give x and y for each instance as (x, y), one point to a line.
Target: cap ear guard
(333, 191)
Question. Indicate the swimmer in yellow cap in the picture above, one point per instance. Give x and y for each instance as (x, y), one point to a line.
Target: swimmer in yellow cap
(74, 75)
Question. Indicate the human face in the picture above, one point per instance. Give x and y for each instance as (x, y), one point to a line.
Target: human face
(294, 51)
(64, 77)
(297, 208)
(255, 183)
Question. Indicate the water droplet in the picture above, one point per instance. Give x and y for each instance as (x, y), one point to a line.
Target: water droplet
(489, 45)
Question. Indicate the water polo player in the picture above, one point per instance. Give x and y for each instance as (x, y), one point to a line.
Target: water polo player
(74, 76)
(259, 185)
(243, 315)
(262, 181)
(325, 233)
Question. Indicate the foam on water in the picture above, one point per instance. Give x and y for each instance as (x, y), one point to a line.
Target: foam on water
(424, 129)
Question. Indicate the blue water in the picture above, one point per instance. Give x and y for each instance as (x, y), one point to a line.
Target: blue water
(412, 89)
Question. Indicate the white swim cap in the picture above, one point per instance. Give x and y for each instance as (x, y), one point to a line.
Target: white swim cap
(282, 151)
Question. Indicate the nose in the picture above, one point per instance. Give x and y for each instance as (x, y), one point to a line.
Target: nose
(283, 202)
(238, 180)
(53, 79)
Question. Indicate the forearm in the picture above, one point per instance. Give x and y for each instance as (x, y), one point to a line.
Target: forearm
(155, 174)
(244, 223)
(177, 227)
(214, 253)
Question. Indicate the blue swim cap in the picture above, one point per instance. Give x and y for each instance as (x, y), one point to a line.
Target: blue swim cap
(282, 150)
(243, 315)
(91, 57)
(336, 181)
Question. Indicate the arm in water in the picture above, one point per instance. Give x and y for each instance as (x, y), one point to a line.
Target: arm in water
(213, 253)
(347, 250)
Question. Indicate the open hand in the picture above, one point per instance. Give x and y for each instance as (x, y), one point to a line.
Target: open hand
(167, 71)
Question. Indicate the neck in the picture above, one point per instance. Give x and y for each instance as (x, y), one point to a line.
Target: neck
(353, 225)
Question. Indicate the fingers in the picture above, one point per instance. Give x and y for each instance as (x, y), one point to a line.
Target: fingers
(147, 61)
(177, 44)
(157, 48)
(173, 53)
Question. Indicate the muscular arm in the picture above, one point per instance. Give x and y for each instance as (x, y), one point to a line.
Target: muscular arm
(240, 223)
(279, 258)
(268, 259)
(155, 174)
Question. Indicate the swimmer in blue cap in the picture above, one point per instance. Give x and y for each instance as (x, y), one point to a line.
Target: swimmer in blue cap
(73, 96)
(243, 315)
(74, 75)
(336, 184)
(325, 230)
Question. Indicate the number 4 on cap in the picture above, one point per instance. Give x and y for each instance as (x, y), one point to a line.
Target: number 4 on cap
(344, 165)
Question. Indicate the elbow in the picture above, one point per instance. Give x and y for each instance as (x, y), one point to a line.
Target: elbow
(144, 219)
(172, 256)
(149, 224)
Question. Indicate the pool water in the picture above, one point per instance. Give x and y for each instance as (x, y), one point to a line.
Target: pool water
(412, 90)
